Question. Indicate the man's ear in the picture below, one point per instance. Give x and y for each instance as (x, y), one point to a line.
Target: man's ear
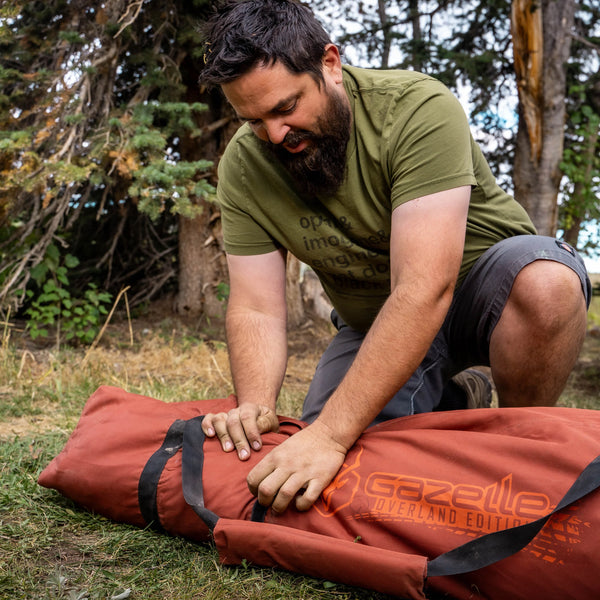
(332, 62)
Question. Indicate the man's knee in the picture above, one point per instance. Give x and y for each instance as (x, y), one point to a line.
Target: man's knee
(547, 297)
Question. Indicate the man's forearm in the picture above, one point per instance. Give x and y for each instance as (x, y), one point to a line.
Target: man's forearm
(257, 353)
(392, 350)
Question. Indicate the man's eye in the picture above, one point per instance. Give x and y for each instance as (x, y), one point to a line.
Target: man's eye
(289, 109)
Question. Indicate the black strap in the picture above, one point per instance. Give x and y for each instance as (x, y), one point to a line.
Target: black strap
(259, 512)
(493, 547)
(152, 471)
(192, 462)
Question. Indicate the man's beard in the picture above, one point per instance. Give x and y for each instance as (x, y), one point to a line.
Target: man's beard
(319, 169)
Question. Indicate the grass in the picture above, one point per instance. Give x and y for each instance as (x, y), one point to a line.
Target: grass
(51, 549)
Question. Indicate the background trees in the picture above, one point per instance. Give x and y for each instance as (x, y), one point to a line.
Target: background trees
(108, 146)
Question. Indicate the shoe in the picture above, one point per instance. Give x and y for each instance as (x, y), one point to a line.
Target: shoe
(476, 386)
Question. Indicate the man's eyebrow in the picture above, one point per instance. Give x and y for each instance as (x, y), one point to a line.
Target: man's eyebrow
(285, 102)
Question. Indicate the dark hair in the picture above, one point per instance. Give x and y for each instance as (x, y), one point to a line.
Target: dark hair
(242, 34)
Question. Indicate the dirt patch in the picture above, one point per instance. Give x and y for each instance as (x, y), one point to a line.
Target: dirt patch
(28, 425)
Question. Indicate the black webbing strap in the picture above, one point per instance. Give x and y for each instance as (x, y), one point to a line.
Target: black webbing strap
(191, 475)
(259, 512)
(493, 547)
(152, 471)
(192, 462)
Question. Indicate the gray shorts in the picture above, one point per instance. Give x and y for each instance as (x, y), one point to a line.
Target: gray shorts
(464, 339)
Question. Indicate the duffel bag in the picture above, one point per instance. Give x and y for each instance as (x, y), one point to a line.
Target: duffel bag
(483, 503)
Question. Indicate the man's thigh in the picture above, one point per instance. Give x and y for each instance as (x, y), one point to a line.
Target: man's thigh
(332, 367)
(480, 300)
(421, 393)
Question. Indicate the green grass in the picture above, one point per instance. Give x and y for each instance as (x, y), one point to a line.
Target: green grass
(51, 549)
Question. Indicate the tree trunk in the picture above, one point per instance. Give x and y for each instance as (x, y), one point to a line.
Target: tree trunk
(414, 18)
(201, 265)
(295, 306)
(386, 30)
(541, 42)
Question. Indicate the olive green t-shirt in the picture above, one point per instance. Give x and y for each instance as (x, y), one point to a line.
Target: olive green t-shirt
(410, 138)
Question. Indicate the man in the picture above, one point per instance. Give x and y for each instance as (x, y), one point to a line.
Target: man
(372, 179)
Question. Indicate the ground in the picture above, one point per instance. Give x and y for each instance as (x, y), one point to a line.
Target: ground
(51, 549)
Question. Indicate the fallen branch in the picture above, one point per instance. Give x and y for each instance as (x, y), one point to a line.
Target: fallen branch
(101, 333)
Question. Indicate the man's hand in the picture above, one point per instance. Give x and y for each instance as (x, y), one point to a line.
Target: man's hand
(241, 427)
(305, 463)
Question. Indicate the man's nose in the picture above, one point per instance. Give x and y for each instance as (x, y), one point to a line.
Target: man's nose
(276, 130)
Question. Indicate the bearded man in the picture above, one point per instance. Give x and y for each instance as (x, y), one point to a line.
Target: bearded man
(373, 180)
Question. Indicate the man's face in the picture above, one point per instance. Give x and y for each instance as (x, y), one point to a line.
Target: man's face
(307, 126)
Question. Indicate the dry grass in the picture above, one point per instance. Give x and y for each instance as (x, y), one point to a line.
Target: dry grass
(44, 389)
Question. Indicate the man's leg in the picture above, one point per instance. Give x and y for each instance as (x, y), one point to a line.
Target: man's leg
(332, 367)
(537, 340)
(421, 393)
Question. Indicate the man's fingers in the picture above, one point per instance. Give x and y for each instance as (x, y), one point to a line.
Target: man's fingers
(309, 496)
(287, 492)
(207, 426)
(237, 433)
(241, 428)
(280, 488)
(251, 428)
(257, 475)
(277, 489)
(212, 424)
(267, 421)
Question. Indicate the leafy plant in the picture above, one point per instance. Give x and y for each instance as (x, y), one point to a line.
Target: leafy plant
(78, 319)
(222, 291)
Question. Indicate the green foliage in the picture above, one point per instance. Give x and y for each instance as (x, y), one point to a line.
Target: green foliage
(151, 158)
(580, 166)
(100, 116)
(222, 291)
(76, 319)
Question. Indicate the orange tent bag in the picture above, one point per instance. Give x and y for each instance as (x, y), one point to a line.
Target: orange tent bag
(489, 503)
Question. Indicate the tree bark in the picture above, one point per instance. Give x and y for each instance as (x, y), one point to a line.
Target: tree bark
(386, 29)
(542, 88)
(202, 264)
(295, 306)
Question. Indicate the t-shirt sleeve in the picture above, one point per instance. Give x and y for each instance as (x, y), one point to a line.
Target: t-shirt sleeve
(242, 234)
(429, 146)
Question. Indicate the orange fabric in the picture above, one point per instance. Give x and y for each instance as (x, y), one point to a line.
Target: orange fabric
(419, 485)
(321, 556)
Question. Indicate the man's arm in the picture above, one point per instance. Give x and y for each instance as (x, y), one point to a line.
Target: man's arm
(257, 344)
(426, 251)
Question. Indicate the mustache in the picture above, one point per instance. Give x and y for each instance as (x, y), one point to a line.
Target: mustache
(293, 138)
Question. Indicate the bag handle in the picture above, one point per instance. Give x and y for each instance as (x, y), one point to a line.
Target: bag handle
(492, 547)
(192, 463)
(152, 471)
